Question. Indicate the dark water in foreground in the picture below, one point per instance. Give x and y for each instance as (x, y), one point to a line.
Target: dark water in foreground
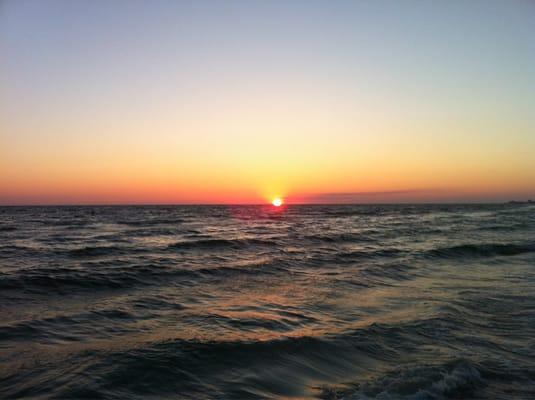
(352, 302)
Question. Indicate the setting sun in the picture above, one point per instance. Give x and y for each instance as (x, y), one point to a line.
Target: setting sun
(277, 202)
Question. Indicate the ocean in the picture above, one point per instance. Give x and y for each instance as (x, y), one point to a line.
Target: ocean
(258, 302)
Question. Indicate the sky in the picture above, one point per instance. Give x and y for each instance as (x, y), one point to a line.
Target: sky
(144, 102)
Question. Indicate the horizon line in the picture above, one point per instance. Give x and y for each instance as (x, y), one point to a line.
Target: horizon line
(264, 204)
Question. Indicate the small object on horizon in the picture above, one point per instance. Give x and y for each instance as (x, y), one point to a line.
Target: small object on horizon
(521, 202)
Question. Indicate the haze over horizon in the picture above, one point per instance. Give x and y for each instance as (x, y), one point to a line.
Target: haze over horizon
(132, 102)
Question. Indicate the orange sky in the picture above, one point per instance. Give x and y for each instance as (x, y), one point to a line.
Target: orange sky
(162, 103)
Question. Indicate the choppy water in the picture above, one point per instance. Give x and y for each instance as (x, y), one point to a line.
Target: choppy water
(352, 302)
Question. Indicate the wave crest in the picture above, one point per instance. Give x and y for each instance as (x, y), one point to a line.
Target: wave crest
(482, 250)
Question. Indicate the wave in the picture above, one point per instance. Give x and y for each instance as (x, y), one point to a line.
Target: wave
(95, 251)
(481, 250)
(459, 378)
(368, 254)
(220, 243)
(62, 280)
(70, 327)
(382, 273)
(111, 276)
(340, 238)
(82, 252)
(150, 222)
(348, 210)
(185, 366)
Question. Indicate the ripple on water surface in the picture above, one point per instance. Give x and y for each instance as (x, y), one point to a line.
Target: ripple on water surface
(227, 302)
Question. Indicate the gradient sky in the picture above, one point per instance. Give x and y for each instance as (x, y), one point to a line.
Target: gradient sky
(241, 101)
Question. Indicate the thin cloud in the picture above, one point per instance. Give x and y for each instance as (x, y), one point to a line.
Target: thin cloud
(373, 196)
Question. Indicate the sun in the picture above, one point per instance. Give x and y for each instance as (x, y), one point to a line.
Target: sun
(277, 202)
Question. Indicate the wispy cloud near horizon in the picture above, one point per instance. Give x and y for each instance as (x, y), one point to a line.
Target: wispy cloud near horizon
(432, 195)
(350, 197)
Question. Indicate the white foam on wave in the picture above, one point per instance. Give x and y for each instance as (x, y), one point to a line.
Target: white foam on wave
(423, 383)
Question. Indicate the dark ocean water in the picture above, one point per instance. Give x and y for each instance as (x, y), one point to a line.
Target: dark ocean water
(246, 302)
